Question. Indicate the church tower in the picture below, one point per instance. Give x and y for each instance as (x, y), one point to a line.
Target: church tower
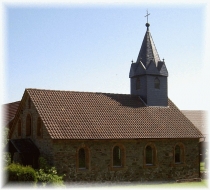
(148, 76)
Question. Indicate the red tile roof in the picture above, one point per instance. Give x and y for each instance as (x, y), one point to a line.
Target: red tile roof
(9, 111)
(86, 115)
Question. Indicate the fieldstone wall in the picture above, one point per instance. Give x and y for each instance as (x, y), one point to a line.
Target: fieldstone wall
(63, 155)
(43, 142)
(100, 160)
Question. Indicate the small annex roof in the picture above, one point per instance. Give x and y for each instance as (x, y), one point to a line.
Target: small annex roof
(9, 110)
(199, 119)
(87, 115)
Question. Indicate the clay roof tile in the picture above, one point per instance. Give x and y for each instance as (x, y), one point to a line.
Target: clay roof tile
(87, 115)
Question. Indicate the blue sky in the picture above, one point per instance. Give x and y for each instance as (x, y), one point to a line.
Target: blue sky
(89, 47)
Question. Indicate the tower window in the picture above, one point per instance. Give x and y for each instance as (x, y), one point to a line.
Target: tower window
(157, 83)
(138, 83)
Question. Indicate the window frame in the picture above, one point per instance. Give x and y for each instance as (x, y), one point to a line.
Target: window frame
(87, 159)
(154, 156)
(122, 157)
(29, 129)
(117, 157)
(181, 156)
(157, 83)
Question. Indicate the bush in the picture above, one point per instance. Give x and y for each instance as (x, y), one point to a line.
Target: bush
(50, 177)
(19, 173)
(47, 175)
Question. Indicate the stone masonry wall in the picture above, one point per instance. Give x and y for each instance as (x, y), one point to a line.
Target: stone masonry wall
(43, 142)
(100, 164)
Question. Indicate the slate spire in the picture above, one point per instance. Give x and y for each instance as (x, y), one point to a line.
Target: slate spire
(148, 51)
(148, 75)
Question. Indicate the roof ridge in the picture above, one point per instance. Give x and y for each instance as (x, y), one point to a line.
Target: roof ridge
(28, 89)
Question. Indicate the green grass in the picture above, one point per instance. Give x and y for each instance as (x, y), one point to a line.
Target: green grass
(202, 184)
(195, 185)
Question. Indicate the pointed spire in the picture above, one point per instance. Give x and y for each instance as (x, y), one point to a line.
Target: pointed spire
(148, 50)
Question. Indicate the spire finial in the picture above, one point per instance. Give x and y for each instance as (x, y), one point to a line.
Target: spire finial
(147, 24)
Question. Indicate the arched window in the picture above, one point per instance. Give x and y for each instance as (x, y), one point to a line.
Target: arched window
(82, 158)
(138, 84)
(117, 156)
(39, 127)
(149, 155)
(157, 83)
(28, 125)
(19, 128)
(179, 154)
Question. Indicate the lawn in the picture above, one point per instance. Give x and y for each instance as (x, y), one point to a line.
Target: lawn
(203, 184)
(138, 185)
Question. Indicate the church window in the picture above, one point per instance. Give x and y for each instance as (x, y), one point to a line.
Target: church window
(150, 155)
(83, 158)
(28, 125)
(39, 127)
(117, 156)
(138, 84)
(179, 154)
(19, 128)
(157, 83)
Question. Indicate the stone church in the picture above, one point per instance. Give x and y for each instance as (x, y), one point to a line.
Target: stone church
(88, 136)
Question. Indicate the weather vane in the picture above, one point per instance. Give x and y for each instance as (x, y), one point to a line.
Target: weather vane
(147, 16)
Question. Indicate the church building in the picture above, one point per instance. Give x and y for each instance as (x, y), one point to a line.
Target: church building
(88, 136)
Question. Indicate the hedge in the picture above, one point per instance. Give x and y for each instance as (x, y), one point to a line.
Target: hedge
(19, 173)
